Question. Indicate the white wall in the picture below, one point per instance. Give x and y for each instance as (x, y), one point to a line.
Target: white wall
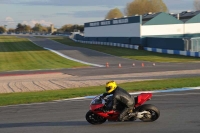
(173, 29)
(123, 30)
(192, 28)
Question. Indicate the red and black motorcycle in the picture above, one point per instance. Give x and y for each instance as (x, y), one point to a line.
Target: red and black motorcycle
(100, 110)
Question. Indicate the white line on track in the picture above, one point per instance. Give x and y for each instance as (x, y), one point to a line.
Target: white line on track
(67, 57)
(90, 97)
(176, 94)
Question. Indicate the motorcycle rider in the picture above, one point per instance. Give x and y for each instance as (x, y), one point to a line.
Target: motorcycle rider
(120, 95)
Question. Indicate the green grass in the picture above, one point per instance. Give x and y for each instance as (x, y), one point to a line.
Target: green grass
(8, 37)
(45, 96)
(130, 53)
(21, 54)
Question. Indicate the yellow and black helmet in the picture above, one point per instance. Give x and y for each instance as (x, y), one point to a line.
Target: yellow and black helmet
(111, 86)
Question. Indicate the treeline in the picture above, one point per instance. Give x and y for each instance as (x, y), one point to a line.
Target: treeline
(2, 29)
(26, 28)
(42, 29)
(136, 7)
(139, 7)
(72, 28)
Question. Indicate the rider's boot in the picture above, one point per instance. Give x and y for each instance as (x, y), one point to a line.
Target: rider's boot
(132, 113)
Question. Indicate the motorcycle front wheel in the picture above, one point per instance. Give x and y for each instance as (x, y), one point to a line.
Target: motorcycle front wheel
(152, 115)
(94, 118)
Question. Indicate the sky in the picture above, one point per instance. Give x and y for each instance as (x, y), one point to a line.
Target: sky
(62, 12)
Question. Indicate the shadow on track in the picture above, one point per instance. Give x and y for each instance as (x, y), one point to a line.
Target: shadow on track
(64, 123)
(43, 124)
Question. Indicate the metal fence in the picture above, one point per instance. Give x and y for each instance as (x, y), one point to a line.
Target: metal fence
(192, 44)
(195, 44)
(187, 43)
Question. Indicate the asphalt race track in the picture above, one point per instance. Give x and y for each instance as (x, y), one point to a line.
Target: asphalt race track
(179, 110)
(26, 81)
(99, 58)
(179, 114)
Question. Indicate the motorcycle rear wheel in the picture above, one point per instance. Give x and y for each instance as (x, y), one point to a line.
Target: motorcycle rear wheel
(153, 114)
(94, 118)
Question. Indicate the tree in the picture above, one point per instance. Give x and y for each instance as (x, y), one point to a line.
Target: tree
(197, 4)
(23, 28)
(48, 29)
(145, 6)
(71, 28)
(11, 30)
(67, 28)
(2, 29)
(27, 28)
(44, 29)
(37, 27)
(80, 28)
(114, 13)
(20, 27)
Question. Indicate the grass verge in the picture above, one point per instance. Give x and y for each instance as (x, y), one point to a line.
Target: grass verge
(129, 53)
(45, 96)
(21, 54)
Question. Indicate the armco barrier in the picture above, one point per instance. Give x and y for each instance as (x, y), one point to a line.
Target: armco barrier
(165, 51)
(176, 52)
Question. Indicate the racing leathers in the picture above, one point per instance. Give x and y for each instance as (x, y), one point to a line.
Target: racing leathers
(121, 95)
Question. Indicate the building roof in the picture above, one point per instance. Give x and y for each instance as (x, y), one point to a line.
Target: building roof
(185, 15)
(149, 16)
(159, 18)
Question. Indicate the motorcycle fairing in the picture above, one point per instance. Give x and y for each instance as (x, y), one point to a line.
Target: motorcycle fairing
(96, 106)
(143, 97)
(110, 115)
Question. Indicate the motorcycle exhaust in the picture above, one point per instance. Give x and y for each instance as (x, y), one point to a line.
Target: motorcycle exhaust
(141, 114)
